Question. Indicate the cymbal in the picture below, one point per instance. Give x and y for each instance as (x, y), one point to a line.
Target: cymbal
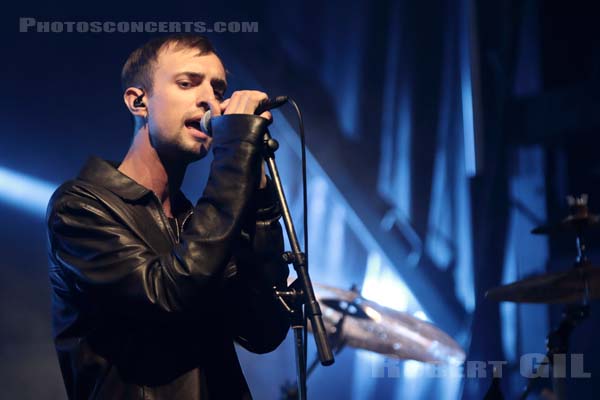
(373, 327)
(577, 221)
(572, 223)
(551, 288)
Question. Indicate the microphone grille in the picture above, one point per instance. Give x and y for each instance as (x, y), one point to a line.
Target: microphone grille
(205, 123)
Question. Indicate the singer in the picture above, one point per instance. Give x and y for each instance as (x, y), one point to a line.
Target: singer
(149, 292)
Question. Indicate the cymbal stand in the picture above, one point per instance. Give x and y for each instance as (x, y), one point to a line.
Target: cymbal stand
(557, 342)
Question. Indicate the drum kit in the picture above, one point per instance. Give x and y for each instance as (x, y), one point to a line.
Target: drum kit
(353, 321)
(574, 288)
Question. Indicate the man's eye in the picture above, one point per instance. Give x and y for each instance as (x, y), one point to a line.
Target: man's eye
(219, 96)
(184, 84)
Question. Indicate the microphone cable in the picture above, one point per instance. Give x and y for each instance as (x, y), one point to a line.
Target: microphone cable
(304, 208)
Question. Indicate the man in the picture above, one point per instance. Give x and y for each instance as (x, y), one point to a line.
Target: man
(148, 291)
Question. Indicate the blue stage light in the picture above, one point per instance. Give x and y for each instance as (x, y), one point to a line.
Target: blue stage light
(25, 192)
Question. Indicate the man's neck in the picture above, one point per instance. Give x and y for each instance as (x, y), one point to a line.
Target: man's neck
(143, 164)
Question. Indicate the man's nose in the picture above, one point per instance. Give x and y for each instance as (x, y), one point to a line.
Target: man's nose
(206, 99)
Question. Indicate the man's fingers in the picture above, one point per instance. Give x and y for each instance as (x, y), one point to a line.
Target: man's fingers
(267, 115)
(215, 108)
(224, 105)
(245, 102)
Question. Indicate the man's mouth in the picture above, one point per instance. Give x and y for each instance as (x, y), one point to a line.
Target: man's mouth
(194, 124)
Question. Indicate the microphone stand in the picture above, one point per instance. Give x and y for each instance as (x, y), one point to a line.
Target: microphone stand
(300, 297)
(338, 343)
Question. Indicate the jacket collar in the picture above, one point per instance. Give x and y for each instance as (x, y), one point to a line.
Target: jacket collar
(105, 174)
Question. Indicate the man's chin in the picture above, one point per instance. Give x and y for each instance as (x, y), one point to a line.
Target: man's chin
(199, 146)
(197, 152)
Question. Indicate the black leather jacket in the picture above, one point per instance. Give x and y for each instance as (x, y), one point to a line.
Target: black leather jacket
(141, 311)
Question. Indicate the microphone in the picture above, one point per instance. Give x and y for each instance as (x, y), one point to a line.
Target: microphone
(263, 106)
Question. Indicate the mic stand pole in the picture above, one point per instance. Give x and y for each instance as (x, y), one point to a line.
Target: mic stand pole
(338, 343)
(302, 297)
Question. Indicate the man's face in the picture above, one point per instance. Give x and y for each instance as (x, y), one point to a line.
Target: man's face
(184, 86)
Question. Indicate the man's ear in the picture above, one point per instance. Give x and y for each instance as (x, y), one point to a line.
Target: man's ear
(135, 100)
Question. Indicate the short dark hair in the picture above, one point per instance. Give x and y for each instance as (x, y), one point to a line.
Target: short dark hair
(138, 70)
